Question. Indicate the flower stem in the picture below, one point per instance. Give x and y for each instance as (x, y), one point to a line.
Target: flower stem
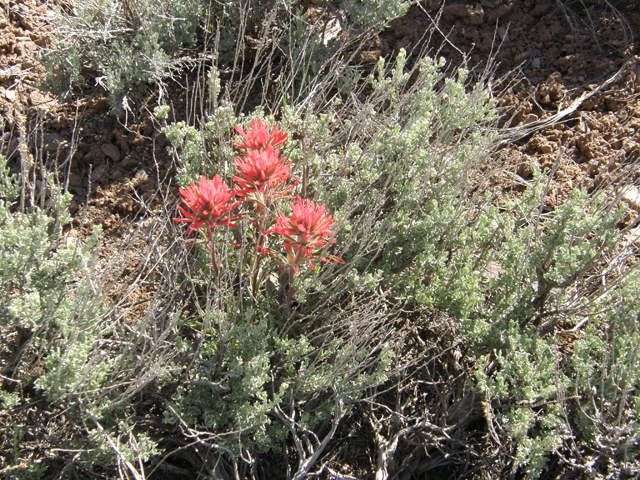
(258, 258)
(291, 288)
(216, 273)
(292, 269)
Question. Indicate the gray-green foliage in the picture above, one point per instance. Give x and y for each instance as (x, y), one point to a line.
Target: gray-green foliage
(530, 384)
(586, 406)
(606, 381)
(126, 44)
(374, 13)
(250, 367)
(401, 171)
(544, 264)
(389, 163)
(40, 288)
(393, 162)
(397, 149)
(38, 269)
(45, 295)
(543, 258)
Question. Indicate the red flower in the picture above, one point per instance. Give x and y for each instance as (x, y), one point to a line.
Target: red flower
(208, 203)
(259, 137)
(263, 172)
(305, 231)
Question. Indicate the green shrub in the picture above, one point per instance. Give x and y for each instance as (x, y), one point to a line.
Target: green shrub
(47, 299)
(134, 44)
(401, 158)
(38, 269)
(374, 13)
(546, 267)
(606, 383)
(127, 45)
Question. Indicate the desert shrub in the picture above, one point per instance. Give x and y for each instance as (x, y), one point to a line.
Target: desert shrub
(46, 304)
(546, 278)
(258, 370)
(606, 385)
(126, 45)
(251, 369)
(378, 160)
(38, 269)
(395, 167)
(401, 156)
(395, 181)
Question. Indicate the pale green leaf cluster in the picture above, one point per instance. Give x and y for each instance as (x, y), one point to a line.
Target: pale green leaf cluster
(249, 368)
(374, 13)
(531, 386)
(38, 270)
(130, 45)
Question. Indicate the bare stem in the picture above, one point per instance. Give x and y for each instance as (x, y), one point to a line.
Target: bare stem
(292, 277)
(216, 271)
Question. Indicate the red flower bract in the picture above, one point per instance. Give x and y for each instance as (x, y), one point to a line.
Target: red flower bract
(207, 204)
(262, 171)
(258, 136)
(304, 231)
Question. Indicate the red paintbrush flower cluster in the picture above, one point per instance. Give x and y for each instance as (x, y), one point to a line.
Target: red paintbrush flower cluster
(304, 232)
(258, 137)
(262, 177)
(207, 204)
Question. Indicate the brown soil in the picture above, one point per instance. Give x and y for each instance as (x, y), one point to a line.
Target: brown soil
(554, 55)
(551, 54)
(556, 52)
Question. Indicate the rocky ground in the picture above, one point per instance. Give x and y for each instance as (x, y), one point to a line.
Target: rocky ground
(554, 55)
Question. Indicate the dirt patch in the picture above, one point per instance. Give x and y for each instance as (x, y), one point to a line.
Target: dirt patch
(551, 54)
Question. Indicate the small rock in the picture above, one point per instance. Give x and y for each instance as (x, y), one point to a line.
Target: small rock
(477, 15)
(331, 31)
(632, 197)
(111, 151)
(456, 11)
(75, 180)
(503, 33)
(535, 63)
(521, 57)
(431, 5)
(500, 12)
(37, 98)
(612, 104)
(70, 239)
(141, 176)
(532, 117)
(545, 148)
(400, 44)
(50, 142)
(99, 172)
(10, 95)
(116, 174)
